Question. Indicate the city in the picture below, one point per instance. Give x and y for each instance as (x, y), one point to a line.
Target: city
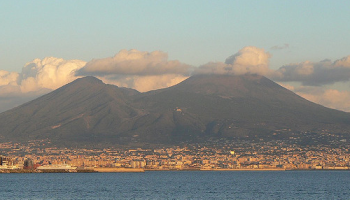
(229, 155)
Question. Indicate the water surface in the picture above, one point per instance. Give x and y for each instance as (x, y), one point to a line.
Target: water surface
(178, 185)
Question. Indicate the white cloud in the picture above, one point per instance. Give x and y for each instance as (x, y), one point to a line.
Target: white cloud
(315, 73)
(8, 78)
(146, 71)
(330, 98)
(142, 71)
(249, 60)
(139, 70)
(134, 62)
(144, 83)
(37, 78)
(50, 73)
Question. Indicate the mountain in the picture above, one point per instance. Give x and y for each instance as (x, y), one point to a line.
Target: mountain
(85, 110)
(89, 112)
(230, 106)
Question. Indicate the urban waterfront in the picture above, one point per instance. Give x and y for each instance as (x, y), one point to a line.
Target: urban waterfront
(220, 155)
(178, 185)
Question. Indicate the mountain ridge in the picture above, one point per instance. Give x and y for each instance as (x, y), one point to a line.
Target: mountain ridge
(87, 112)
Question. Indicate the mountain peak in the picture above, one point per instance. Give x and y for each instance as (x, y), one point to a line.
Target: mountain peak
(229, 85)
(88, 82)
(88, 79)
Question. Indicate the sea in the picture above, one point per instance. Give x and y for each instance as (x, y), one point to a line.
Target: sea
(178, 185)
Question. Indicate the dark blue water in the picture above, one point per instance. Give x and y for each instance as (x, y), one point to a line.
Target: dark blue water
(178, 185)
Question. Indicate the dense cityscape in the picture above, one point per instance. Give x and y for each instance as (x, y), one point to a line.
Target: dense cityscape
(36, 156)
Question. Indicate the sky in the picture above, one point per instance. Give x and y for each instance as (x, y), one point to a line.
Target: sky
(302, 45)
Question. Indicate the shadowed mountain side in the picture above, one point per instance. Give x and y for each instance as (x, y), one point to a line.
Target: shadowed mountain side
(247, 98)
(82, 110)
(89, 112)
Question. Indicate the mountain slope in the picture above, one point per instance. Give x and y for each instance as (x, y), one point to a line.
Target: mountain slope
(249, 98)
(224, 106)
(81, 110)
(89, 112)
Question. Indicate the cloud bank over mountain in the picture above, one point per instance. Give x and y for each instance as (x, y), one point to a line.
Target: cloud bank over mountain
(49, 73)
(249, 60)
(144, 83)
(37, 77)
(134, 62)
(315, 74)
(140, 70)
(145, 71)
(331, 98)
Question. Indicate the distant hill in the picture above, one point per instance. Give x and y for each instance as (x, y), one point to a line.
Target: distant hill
(89, 112)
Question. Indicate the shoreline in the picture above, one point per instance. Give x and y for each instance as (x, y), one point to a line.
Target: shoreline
(113, 170)
(267, 169)
(141, 170)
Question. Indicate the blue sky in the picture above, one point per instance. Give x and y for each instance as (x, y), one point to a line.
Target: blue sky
(192, 32)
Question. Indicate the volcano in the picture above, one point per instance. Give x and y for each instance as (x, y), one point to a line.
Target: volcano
(88, 112)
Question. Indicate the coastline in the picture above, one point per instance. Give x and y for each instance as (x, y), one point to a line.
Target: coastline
(141, 170)
(247, 169)
(111, 170)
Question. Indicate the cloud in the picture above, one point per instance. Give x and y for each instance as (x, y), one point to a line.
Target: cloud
(285, 46)
(249, 60)
(142, 71)
(288, 87)
(134, 62)
(8, 78)
(330, 98)
(144, 83)
(139, 70)
(50, 73)
(315, 73)
(146, 71)
(36, 78)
